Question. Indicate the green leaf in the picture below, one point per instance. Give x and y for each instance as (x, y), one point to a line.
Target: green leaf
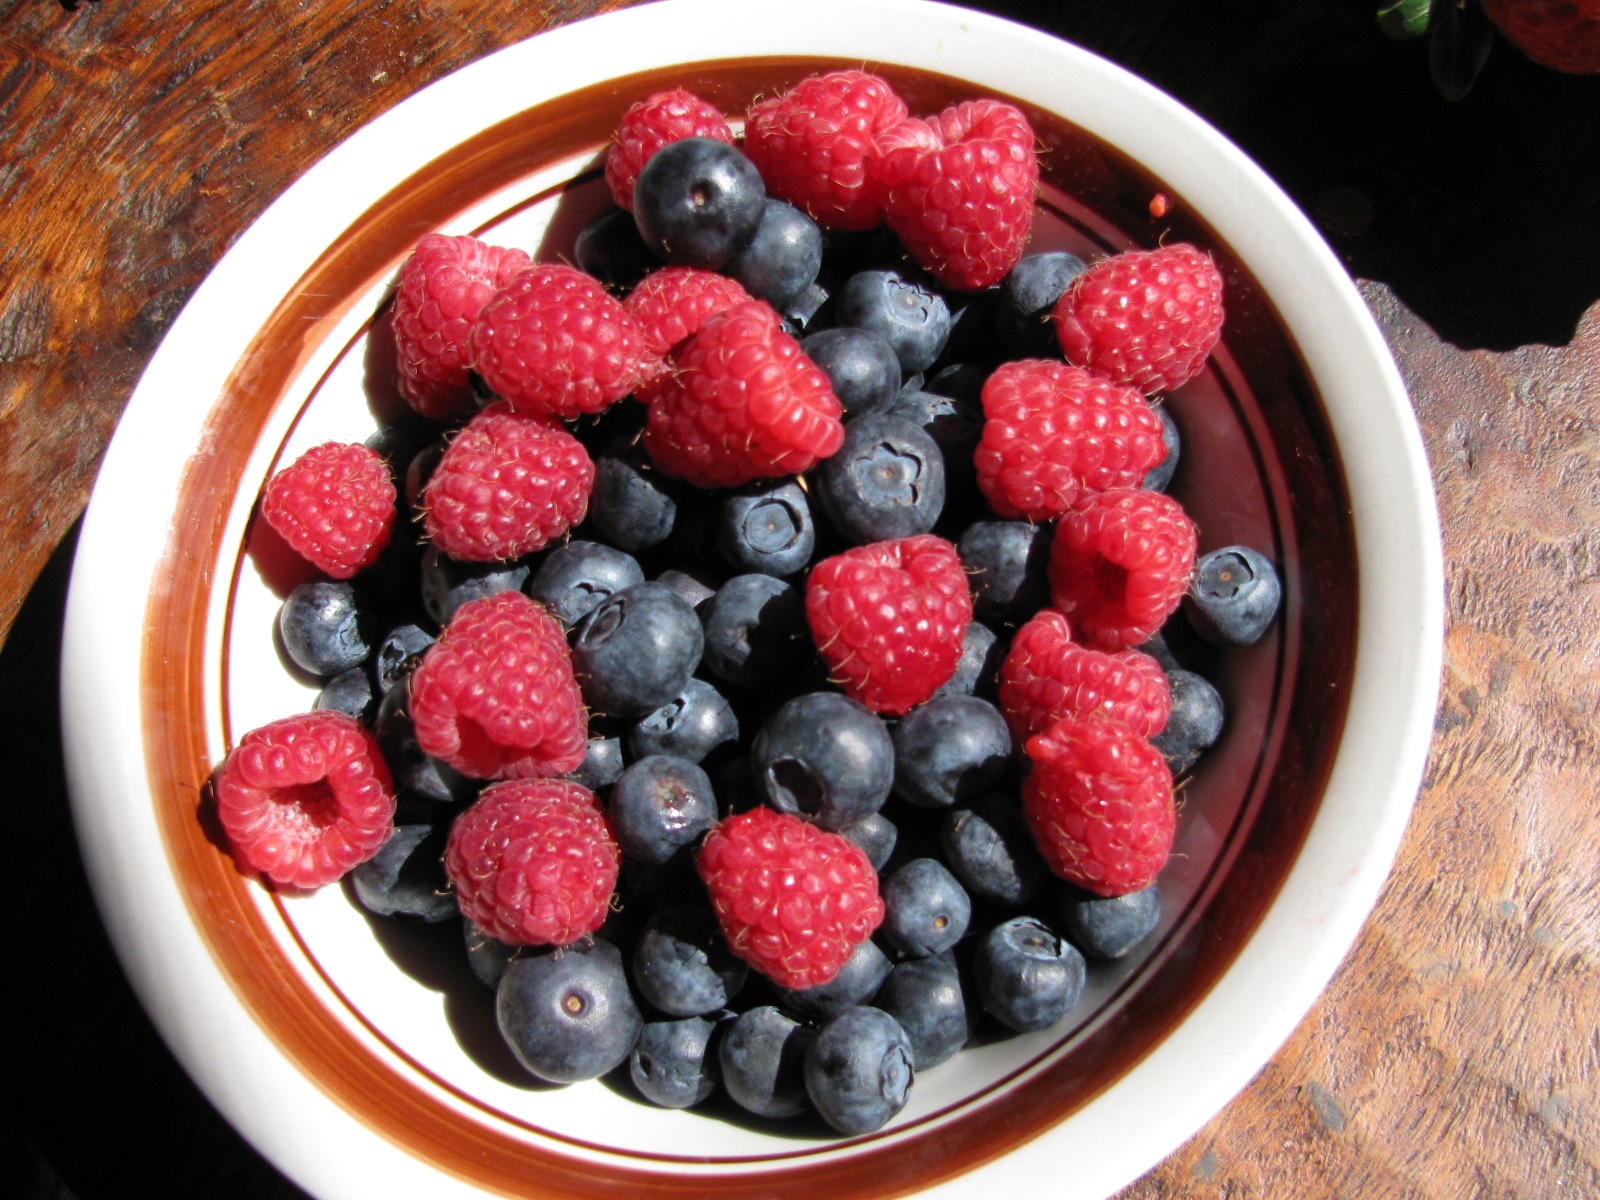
(1404, 20)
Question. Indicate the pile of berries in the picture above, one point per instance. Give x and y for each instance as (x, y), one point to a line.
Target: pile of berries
(756, 639)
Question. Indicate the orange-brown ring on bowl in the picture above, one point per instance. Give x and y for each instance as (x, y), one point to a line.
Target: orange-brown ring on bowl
(1311, 709)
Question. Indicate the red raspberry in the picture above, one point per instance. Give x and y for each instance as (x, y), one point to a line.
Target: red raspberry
(533, 862)
(495, 696)
(1047, 676)
(305, 798)
(814, 143)
(334, 505)
(963, 207)
(1119, 565)
(649, 125)
(1147, 318)
(744, 403)
(1099, 802)
(672, 303)
(1053, 433)
(794, 900)
(443, 286)
(553, 341)
(889, 618)
(507, 485)
(1561, 34)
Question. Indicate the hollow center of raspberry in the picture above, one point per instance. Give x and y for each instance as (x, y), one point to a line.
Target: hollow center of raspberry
(307, 808)
(477, 745)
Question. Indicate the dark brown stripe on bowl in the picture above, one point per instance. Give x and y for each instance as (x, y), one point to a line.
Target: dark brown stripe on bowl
(1274, 790)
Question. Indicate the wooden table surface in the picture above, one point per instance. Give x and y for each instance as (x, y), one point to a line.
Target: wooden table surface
(1456, 1052)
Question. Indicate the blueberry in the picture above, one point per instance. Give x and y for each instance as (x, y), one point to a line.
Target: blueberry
(1159, 476)
(405, 879)
(925, 996)
(683, 967)
(991, 851)
(698, 202)
(690, 726)
(859, 1070)
(486, 956)
(982, 654)
(349, 692)
(1156, 647)
(913, 319)
(567, 1013)
(875, 835)
(320, 625)
(1007, 563)
(782, 259)
(659, 806)
(610, 248)
(1196, 721)
(951, 750)
(856, 983)
(861, 364)
(1108, 927)
(674, 1063)
(766, 528)
(637, 650)
(926, 908)
(631, 506)
(886, 481)
(1025, 975)
(763, 1054)
(1026, 296)
(824, 757)
(448, 584)
(755, 631)
(690, 586)
(398, 654)
(415, 771)
(602, 763)
(575, 578)
(1234, 597)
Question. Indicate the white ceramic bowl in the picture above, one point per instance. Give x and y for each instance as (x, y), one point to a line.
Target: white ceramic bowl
(365, 1064)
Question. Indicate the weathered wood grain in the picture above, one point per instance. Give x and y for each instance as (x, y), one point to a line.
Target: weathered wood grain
(1456, 1052)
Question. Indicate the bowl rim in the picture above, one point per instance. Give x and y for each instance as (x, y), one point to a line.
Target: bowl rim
(1351, 844)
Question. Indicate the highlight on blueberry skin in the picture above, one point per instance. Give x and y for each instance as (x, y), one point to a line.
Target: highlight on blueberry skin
(1235, 596)
(859, 1070)
(659, 807)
